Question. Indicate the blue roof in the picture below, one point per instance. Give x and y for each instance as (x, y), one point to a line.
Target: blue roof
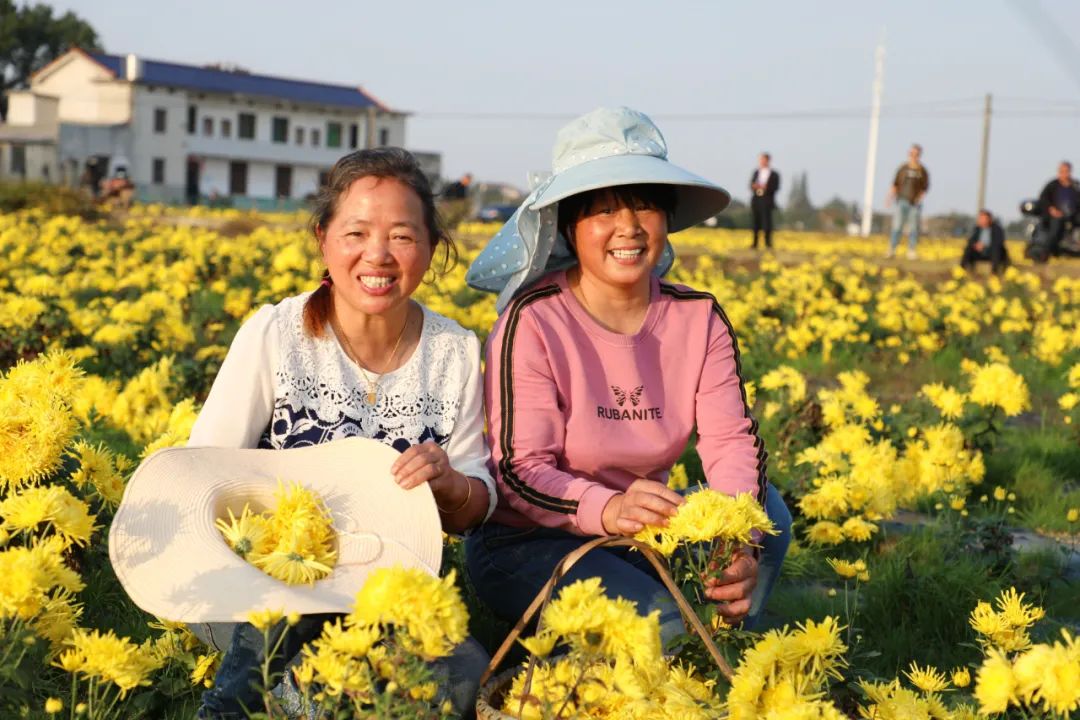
(192, 77)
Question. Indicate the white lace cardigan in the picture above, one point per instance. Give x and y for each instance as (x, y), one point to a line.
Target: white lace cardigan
(279, 388)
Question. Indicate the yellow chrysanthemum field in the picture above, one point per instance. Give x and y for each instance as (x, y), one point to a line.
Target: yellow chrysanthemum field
(922, 425)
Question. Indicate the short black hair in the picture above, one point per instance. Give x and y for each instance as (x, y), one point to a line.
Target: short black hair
(766, 155)
(1067, 164)
(656, 196)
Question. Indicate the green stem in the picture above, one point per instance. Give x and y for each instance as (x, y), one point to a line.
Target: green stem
(74, 696)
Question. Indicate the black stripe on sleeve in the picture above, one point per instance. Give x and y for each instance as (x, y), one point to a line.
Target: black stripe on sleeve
(762, 455)
(506, 402)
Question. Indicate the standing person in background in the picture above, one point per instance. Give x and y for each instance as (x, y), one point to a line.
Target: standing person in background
(987, 242)
(908, 189)
(764, 184)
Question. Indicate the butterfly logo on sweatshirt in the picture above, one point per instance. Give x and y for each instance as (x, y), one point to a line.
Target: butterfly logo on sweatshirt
(621, 396)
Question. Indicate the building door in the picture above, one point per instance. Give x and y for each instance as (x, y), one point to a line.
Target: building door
(238, 172)
(191, 181)
(283, 182)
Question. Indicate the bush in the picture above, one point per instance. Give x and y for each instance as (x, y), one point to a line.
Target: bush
(52, 199)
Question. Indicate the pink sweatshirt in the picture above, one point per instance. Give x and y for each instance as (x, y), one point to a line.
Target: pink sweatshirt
(576, 413)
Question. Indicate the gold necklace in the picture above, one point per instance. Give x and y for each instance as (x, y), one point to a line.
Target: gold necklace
(373, 384)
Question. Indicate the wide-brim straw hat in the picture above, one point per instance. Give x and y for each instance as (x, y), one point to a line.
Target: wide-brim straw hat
(604, 148)
(174, 563)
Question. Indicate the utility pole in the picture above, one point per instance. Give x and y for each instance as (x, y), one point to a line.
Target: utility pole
(981, 201)
(871, 151)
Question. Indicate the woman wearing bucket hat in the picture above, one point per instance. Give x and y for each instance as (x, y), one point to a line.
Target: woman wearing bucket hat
(357, 358)
(598, 372)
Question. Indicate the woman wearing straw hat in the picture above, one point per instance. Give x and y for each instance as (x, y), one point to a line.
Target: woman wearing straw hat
(598, 372)
(357, 357)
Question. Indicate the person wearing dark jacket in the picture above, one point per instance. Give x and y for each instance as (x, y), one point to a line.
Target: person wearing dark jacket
(987, 243)
(1059, 205)
(764, 183)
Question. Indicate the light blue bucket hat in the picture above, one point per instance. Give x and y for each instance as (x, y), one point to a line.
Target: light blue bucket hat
(604, 148)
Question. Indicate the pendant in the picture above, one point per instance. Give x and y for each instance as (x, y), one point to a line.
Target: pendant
(371, 396)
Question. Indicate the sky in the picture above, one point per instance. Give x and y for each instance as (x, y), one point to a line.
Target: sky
(489, 83)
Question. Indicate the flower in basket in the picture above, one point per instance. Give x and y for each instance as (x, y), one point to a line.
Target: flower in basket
(788, 671)
(294, 542)
(609, 665)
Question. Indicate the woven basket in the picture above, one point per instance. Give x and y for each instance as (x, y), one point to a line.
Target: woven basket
(490, 697)
(493, 687)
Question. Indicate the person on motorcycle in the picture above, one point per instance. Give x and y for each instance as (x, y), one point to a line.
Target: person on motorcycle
(1059, 205)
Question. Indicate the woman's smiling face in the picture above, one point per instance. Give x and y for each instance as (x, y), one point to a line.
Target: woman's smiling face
(619, 237)
(376, 246)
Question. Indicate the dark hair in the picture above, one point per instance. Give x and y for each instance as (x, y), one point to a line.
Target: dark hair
(1067, 164)
(766, 155)
(384, 163)
(987, 213)
(916, 146)
(657, 197)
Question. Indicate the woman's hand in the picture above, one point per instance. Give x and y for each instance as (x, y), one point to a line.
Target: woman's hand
(732, 587)
(429, 463)
(462, 501)
(645, 502)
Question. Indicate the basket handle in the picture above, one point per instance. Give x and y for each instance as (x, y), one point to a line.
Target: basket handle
(563, 566)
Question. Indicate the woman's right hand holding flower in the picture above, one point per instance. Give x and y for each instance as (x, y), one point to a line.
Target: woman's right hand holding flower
(645, 502)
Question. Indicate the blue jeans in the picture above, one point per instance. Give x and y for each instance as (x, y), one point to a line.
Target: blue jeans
(906, 211)
(236, 685)
(508, 566)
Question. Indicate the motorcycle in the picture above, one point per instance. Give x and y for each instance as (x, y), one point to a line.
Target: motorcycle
(1040, 246)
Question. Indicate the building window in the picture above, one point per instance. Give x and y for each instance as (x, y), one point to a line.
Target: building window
(159, 120)
(158, 173)
(18, 160)
(246, 126)
(238, 172)
(324, 178)
(283, 181)
(333, 134)
(299, 136)
(315, 137)
(226, 127)
(384, 137)
(354, 135)
(192, 114)
(208, 126)
(280, 132)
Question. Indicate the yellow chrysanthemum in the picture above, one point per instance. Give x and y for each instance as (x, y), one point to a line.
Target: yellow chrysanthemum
(48, 508)
(105, 657)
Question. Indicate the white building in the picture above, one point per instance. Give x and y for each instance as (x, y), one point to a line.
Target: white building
(28, 138)
(183, 132)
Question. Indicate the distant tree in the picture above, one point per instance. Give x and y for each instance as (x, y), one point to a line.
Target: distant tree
(31, 37)
(835, 215)
(799, 213)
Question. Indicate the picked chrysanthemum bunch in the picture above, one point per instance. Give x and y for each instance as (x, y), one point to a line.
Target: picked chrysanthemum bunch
(611, 665)
(708, 529)
(295, 542)
(374, 661)
(787, 673)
